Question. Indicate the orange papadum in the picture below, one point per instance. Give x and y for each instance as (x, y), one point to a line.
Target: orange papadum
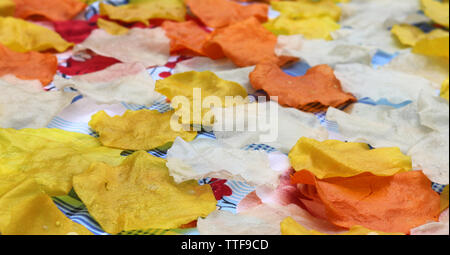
(28, 66)
(54, 10)
(246, 43)
(186, 38)
(315, 91)
(395, 203)
(221, 13)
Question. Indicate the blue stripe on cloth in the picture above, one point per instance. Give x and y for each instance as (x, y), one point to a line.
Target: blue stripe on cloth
(438, 187)
(383, 101)
(241, 188)
(239, 191)
(297, 69)
(79, 215)
(50, 87)
(382, 58)
(260, 147)
(160, 105)
(76, 98)
(228, 206)
(329, 125)
(155, 152)
(94, 8)
(134, 107)
(204, 134)
(334, 127)
(126, 153)
(321, 116)
(158, 153)
(425, 26)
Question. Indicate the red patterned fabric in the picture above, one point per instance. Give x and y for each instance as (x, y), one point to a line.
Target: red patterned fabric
(220, 189)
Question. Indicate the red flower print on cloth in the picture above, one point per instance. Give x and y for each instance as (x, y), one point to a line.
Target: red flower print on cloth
(220, 189)
(165, 74)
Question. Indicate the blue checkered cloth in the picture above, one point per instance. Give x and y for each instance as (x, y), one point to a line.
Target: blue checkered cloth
(73, 208)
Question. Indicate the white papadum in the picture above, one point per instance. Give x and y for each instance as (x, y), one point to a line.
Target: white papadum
(260, 220)
(25, 104)
(317, 52)
(434, 228)
(419, 129)
(397, 87)
(265, 123)
(435, 69)
(205, 157)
